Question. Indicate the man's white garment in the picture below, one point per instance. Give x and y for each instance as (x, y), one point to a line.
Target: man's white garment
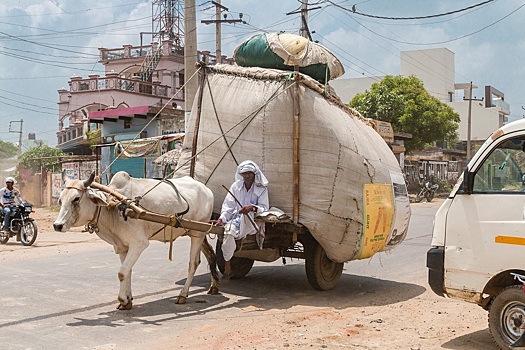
(8, 196)
(238, 225)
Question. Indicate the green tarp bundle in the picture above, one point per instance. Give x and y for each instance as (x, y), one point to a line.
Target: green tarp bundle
(284, 51)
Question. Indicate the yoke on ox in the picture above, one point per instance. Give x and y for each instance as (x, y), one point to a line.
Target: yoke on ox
(82, 205)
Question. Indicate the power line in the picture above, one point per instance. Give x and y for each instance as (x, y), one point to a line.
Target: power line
(45, 62)
(21, 95)
(450, 40)
(35, 43)
(363, 69)
(26, 103)
(74, 12)
(410, 24)
(28, 109)
(354, 10)
(419, 65)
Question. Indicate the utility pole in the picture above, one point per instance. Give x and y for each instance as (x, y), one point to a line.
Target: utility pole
(305, 32)
(21, 121)
(304, 19)
(469, 118)
(218, 21)
(190, 56)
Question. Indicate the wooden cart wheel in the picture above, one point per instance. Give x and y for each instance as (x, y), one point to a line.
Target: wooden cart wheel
(321, 271)
(240, 266)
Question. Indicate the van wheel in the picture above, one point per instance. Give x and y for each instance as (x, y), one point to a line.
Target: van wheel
(240, 266)
(322, 272)
(507, 316)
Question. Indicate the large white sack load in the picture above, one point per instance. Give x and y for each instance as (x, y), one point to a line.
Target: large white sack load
(352, 194)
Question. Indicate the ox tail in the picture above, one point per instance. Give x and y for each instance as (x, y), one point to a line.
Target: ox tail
(209, 253)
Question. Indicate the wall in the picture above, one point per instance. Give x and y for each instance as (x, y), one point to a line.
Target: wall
(433, 170)
(346, 89)
(32, 190)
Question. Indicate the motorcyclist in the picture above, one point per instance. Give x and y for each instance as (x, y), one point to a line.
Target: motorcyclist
(9, 195)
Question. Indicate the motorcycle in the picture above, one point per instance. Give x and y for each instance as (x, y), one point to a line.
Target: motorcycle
(21, 225)
(427, 191)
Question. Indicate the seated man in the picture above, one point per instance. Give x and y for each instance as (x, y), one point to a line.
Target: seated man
(8, 195)
(247, 196)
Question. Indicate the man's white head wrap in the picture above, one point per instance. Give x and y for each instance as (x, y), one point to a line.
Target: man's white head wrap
(10, 179)
(248, 165)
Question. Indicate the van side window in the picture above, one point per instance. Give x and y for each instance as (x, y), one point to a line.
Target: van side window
(504, 169)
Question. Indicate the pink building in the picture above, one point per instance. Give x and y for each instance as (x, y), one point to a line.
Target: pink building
(135, 76)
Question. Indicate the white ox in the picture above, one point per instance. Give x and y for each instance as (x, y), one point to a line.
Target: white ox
(81, 205)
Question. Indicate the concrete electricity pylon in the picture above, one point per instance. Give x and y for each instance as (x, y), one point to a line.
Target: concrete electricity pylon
(469, 118)
(305, 31)
(21, 121)
(190, 55)
(218, 21)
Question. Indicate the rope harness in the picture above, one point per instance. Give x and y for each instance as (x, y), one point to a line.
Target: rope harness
(92, 225)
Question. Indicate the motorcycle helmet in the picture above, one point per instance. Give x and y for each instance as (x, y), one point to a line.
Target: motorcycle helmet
(10, 179)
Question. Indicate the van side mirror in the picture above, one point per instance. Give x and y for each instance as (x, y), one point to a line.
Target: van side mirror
(468, 182)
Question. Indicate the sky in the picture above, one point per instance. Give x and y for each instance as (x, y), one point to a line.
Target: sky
(45, 42)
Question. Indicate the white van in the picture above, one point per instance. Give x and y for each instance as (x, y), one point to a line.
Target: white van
(479, 234)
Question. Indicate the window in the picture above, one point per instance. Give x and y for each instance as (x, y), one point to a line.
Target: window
(504, 169)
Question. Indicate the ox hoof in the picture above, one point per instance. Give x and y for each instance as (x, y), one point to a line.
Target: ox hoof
(213, 290)
(180, 300)
(128, 306)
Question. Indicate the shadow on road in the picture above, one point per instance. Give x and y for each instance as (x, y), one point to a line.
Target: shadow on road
(264, 288)
(479, 340)
(281, 287)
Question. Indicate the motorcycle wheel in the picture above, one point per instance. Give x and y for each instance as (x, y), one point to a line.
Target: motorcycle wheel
(4, 237)
(430, 196)
(419, 196)
(28, 233)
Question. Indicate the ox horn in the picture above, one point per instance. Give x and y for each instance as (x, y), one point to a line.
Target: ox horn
(88, 182)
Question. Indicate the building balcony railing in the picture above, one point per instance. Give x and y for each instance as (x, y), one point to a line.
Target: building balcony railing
(73, 133)
(503, 105)
(113, 82)
(168, 49)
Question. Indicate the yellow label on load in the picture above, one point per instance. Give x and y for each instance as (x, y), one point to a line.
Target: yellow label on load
(378, 217)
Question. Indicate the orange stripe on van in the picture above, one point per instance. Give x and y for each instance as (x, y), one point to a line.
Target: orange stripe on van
(510, 240)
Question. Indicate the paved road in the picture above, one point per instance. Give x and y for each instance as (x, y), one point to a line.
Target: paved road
(61, 293)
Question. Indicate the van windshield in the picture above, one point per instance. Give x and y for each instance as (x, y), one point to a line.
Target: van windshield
(504, 169)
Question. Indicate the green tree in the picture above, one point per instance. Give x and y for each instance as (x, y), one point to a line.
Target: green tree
(40, 156)
(404, 102)
(7, 150)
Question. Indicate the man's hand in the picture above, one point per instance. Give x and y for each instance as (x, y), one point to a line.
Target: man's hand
(247, 209)
(217, 222)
